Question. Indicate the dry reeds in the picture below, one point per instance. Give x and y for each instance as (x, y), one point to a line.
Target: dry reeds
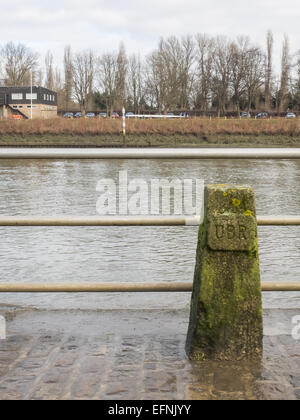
(192, 126)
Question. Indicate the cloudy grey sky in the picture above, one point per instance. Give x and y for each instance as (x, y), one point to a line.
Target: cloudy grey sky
(103, 24)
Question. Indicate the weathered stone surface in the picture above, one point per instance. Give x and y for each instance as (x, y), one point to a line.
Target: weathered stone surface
(232, 233)
(226, 311)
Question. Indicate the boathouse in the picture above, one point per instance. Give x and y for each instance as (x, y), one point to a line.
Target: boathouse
(27, 102)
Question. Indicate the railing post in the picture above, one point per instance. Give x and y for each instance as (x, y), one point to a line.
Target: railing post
(226, 311)
(2, 328)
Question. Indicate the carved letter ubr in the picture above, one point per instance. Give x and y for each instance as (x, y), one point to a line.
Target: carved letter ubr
(220, 231)
(232, 233)
(242, 232)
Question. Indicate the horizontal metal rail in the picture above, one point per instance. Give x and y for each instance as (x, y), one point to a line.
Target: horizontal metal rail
(99, 221)
(278, 220)
(131, 221)
(124, 287)
(155, 117)
(148, 153)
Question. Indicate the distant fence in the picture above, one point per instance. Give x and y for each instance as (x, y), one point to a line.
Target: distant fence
(192, 113)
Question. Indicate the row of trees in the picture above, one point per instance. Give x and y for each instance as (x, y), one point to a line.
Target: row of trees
(191, 72)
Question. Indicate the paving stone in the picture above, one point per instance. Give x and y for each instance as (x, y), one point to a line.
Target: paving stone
(89, 364)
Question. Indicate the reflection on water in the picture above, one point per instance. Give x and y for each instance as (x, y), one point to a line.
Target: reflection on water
(41, 187)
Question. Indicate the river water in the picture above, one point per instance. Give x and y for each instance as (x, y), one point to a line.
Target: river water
(139, 254)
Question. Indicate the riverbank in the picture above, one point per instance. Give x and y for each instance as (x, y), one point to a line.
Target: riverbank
(194, 132)
(154, 140)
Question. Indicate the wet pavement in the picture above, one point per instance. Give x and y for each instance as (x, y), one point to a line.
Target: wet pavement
(135, 355)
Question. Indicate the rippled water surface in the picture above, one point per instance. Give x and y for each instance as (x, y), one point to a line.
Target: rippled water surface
(139, 254)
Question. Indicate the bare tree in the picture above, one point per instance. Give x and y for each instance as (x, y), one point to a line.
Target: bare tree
(239, 63)
(49, 82)
(2, 74)
(39, 77)
(204, 69)
(68, 77)
(186, 71)
(107, 76)
(121, 78)
(169, 76)
(19, 61)
(222, 58)
(57, 81)
(295, 86)
(176, 72)
(135, 83)
(269, 70)
(255, 72)
(285, 75)
(83, 78)
(156, 81)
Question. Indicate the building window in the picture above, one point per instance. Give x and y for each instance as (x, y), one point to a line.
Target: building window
(29, 96)
(16, 96)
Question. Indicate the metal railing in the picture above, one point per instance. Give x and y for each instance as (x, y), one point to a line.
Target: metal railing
(131, 221)
(128, 221)
(124, 287)
(151, 153)
(95, 153)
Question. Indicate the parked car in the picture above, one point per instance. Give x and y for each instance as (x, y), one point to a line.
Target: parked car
(102, 115)
(69, 115)
(245, 115)
(290, 115)
(115, 115)
(170, 114)
(78, 115)
(129, 115)
(262, 115)
(184, 115)
(90, 115)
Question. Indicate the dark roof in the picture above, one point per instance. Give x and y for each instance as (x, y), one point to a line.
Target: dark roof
(26, 88)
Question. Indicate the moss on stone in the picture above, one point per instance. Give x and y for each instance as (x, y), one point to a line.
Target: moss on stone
(226, 310)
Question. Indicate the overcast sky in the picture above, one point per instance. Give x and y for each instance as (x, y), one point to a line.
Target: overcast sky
(102, 25)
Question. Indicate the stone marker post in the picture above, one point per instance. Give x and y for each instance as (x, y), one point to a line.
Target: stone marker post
(226, 311)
